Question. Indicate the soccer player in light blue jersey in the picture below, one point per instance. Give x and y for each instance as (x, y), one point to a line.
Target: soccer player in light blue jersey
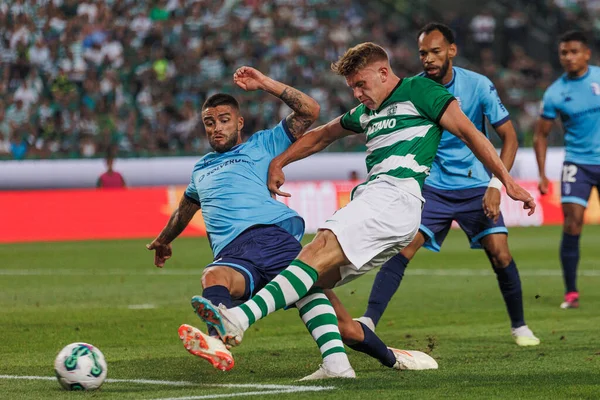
(253, 236)
(459, 186)
(575, 99)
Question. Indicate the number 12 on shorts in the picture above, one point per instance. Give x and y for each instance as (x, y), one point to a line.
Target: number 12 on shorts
(568, 173)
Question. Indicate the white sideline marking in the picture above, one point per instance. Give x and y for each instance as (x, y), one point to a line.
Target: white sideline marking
(428, 272)
(267, 388)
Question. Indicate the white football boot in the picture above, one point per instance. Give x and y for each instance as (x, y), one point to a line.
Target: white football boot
(413, 360)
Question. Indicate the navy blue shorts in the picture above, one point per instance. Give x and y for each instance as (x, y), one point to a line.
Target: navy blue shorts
(577, 182)
(260, 253)
(463, 206)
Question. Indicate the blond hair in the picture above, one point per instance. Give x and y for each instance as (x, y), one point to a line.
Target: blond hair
(358, 57)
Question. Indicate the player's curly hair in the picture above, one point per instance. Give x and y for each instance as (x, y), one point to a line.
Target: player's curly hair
(358, 57)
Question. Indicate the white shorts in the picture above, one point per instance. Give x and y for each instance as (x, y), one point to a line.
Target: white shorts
(380, 221)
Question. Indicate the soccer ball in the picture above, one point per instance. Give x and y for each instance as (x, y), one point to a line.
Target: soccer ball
(80, 366)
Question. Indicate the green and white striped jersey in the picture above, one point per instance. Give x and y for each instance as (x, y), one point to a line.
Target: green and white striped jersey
(403, 134)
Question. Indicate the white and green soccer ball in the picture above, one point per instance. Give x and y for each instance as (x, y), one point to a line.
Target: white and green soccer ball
(80, 366)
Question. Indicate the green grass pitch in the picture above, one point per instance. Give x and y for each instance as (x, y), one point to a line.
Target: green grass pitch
(109, 294)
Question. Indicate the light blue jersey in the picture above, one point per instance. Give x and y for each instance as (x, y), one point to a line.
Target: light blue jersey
(231, 189)
(455, 166)
(577, 103)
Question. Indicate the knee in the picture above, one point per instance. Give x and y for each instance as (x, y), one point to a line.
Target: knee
(321, 239)
(317, 245)
(572, 226)
(212, 277)
(351, 332)
(500, 258)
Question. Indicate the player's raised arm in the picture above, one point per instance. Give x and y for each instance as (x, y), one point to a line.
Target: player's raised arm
(312, 142)
(305, 108)
(457, 123)
(180, 218)
(540, 146)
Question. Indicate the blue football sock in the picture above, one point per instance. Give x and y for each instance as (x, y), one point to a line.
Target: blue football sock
(217, 295)
(510, 286)
(386, 283)
(569, 258)
(374, 347)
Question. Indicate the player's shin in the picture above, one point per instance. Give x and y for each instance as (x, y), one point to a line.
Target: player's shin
(374, 346)
(510, 286)
(569, 258)
(320, 319)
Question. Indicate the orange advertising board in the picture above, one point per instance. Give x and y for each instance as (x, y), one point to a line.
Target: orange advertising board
(92, 214)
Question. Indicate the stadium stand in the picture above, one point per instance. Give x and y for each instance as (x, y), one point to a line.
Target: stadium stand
(79, 77)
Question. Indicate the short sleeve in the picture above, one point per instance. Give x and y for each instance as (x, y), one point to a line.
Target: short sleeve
(430, 98)
(351, 120)
(191, 193)
(493, 108)
(548, 108)
(275, 140)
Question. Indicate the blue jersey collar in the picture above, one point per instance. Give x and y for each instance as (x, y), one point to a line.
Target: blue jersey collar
(449, 84)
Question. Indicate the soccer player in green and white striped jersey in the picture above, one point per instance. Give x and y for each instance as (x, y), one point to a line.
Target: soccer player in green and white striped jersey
(403, 120)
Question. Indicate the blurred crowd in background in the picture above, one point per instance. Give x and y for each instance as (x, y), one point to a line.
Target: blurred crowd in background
(78, 78)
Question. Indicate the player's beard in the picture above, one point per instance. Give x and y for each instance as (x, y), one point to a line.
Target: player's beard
(442, 73)
(224, 147)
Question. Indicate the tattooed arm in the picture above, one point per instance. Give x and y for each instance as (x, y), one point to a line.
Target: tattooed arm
(305, 108)
(306, 111)
(180, 218)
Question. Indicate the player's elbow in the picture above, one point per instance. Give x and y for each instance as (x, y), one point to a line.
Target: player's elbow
(314, 110)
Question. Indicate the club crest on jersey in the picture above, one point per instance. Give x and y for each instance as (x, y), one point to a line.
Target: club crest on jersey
(595, 88)
(392, 110)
